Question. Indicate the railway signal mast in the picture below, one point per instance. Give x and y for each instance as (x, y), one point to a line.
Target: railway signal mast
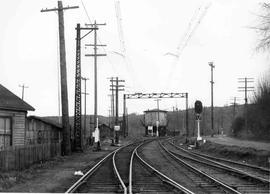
(198, 110)
(212, 98)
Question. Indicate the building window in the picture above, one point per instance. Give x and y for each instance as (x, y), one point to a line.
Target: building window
(5, 132)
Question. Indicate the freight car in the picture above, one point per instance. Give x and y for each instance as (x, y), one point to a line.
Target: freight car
(155, 122)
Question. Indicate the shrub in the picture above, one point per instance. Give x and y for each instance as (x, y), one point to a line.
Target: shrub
(238, 125)
(259, 111)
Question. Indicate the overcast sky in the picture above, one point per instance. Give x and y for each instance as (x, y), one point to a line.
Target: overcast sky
(29, 50)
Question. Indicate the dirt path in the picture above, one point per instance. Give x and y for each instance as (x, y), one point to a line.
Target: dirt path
(54, 176)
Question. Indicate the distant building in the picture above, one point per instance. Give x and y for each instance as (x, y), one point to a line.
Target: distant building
(13, 112)
(155, 120)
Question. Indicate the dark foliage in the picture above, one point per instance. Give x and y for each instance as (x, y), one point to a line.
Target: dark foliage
(238, 125)
(259, 111)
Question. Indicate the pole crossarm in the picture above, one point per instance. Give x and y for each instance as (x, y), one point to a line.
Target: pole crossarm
(155, 95)
(57, 9)
(96, 55)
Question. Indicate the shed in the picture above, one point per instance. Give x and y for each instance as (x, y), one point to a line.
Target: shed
(40, 130)
(13, 112)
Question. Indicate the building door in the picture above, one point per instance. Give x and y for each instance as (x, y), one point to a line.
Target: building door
(5, 132)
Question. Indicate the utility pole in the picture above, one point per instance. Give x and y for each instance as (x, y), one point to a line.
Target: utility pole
(112, 97)
(85, 94)
(157, 115)
(110, 111)
(246, 89)
(95, 55)
(212, 98)
(124, 116)
(126, 124)
(63, 72)
(117, 88)
(23, 87)
(158, 106)
(187, 130)
(234, 103)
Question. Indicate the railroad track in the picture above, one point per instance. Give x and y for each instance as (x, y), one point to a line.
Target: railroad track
(257, 171)
(123, 171)
(229, 179)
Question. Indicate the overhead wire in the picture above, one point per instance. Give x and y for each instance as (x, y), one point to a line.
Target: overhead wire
(104, 50)
(123, 46)
(192, 26)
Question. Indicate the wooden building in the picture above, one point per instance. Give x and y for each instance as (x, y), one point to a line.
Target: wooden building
(41, 130)
(13, 113)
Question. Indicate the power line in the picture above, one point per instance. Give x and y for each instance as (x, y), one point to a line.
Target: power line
(122, 44)
(196, 19)
(104, 50)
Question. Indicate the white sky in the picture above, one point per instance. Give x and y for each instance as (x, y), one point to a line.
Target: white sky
(29, 51)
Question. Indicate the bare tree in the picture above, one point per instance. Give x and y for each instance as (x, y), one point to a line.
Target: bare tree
(263, 28)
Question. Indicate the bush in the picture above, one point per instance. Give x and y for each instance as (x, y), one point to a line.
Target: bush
(238, 125)
(259, 111)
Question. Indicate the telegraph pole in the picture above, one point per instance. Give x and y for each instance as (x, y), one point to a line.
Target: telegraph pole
(124, 115)
(212, 96)
(187, 130)
(85, 94)
(23, 87)
(63, 72)
(95, 55)
(234, 103)
(157, 133)
(112, 97)
(117, 88)
(246, 89)
(158, 106)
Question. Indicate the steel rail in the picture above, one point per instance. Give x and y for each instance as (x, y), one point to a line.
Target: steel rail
(89, 172)
(117, 173)
(200, 172)
(229, 161)
(232, 169)
(130, 170)
(167, 179)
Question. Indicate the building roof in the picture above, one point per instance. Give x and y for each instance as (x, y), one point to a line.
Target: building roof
(155, 110)
(10, 101)
(46, 120)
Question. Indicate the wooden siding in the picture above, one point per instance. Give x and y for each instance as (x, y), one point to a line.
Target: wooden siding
(18, 126)
(21, 157)
(152, 117)
(19, 129)
(38, 132)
